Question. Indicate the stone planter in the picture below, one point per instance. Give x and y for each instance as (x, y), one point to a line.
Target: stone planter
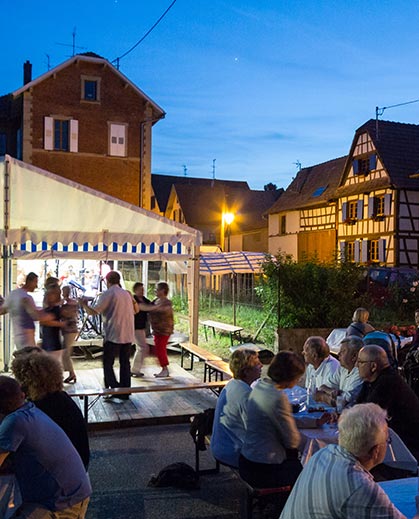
(294, 338)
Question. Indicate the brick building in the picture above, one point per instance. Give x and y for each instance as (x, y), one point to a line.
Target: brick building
(86, 121)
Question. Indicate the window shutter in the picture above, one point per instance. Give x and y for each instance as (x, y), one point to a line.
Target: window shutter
(371, 207)
(344, 211)
(342, 251)
(356, 251)
(117, 144)
(373, 162)
(360, 209)
(387, 204)
(382, 250)
(48, 133)
(355, 166)
(364, 251)
(74, 136)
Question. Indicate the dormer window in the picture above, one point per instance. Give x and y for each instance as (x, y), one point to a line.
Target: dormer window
(364, 165)
(90, 89)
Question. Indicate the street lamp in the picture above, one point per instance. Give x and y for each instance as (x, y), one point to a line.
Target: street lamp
(228, 219)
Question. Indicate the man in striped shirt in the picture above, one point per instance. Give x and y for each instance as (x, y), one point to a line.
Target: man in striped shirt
(336, 481)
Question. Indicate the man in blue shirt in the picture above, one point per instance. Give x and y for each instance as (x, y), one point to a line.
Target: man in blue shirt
(48, 469)
(336, 481)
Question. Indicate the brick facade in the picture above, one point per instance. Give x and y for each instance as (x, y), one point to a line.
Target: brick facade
(58, 95)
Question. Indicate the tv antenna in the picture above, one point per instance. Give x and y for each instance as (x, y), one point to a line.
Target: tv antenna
(185, 170)
(298, 165)
(213, 169)
(73, 45)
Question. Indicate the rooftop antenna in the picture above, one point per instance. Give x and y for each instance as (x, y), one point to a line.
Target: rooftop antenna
(298, 165)
(213, 169)
(48, 61)
(185, 171)
(73, 45)
(379, 112)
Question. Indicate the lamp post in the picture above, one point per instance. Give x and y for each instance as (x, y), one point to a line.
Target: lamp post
(228, 219)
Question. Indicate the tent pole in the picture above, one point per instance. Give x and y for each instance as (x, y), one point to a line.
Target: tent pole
(193, 294)
(6, 264)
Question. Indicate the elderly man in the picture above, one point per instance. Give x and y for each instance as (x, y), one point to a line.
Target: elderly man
(320, 364)
(345, 381)
(385, 387)
(50, 473)
(336, 481)
(117, 307)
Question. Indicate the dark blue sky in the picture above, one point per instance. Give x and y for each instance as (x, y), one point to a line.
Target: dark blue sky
(255, 84)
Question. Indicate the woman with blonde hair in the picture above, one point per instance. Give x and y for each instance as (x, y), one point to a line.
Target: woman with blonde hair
(41, 378)
(231, 412)
(360, 325)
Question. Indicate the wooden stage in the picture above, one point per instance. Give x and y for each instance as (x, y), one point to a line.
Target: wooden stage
(144, 408)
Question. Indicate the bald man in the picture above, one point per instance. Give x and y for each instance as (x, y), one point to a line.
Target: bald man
(384, 386)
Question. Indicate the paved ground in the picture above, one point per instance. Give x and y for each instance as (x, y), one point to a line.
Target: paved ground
(123, 461)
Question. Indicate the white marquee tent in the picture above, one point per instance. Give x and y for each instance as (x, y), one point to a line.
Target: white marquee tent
(46, 216)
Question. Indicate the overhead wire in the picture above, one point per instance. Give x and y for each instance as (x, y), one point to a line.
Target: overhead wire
(145, 35)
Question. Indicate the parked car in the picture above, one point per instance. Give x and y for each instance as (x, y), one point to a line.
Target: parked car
(380, 281)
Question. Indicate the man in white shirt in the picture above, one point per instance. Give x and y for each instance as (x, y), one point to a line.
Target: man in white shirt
(320, 364)
(117, 307)
(344, 382)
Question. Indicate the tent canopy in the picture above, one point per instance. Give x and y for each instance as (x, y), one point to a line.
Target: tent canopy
(231, 263)
(47, 216)
(219, 263)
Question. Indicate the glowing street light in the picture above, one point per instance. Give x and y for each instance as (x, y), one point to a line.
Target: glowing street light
(228, 219)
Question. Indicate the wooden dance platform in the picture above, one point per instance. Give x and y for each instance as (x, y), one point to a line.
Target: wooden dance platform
(155, 407)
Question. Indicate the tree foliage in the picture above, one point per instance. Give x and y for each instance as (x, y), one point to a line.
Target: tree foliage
(311, 294)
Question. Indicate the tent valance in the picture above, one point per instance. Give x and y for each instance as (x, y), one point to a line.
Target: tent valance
(46, 215)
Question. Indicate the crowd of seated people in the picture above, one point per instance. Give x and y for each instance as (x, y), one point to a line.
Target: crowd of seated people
(268, 443)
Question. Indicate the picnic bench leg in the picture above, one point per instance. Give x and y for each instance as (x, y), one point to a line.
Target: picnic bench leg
(182, 354)
(86, 408)
(206, 333)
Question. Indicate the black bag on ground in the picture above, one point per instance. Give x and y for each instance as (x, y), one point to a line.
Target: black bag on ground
(201, 426)
(179, 475)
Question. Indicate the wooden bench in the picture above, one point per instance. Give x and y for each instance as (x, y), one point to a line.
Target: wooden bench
(195, 351)
(85, 394)
(257, 496)
(233, 331)
(217, 368)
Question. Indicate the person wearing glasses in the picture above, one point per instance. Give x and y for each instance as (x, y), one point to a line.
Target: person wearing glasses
(336, 481)
(383, 385)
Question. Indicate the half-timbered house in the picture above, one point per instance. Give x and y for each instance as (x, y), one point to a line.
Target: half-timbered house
(302, 222)
(378, 197)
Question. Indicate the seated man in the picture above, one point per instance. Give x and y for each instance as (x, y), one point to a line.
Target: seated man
(320, 364)
(231, 411)
(336, 481)
(49, 471)
(385, 387)
(345, 381)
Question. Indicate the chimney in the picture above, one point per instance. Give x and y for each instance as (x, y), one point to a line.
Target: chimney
(27, 72)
